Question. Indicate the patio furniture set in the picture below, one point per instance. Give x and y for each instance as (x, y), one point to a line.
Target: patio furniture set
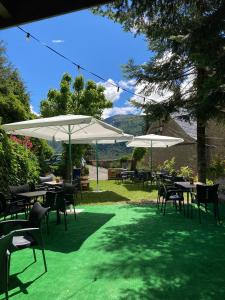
(17, 234)
(172, 189)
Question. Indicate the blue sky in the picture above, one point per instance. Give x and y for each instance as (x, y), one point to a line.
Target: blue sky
(94, 42)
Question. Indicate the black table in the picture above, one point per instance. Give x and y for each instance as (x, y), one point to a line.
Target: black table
(32, 195)
(188, 188)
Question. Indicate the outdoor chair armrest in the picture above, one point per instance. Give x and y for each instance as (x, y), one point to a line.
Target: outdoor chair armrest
(11, 225)
(22, 230)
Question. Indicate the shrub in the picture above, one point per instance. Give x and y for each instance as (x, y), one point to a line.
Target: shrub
(85, 171)
(18, 164)
(169, 166)
(217, 168)
(185, 172)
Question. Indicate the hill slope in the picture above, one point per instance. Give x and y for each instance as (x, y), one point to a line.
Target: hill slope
(130, 124)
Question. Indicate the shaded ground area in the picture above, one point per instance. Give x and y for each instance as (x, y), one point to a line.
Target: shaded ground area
(126, 252)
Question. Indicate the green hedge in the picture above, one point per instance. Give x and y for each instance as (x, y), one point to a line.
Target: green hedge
(18, 164)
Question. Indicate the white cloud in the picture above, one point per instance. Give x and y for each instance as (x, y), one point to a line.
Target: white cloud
(125, 110)
(32, 110)
(111, 92)
(128, 85)
(57, 41)
(156, 96)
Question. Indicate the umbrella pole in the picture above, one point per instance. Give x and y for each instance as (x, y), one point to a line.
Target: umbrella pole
(70, 155)
(96, 155)
(151, 158)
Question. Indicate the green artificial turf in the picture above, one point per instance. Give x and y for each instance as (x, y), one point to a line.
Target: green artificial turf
(125, 251)
(114, 191)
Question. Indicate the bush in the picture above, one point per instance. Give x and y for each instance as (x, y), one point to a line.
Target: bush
(217, 168)
(85, 171)
(185, 172)
(18, 164)
(169, 166)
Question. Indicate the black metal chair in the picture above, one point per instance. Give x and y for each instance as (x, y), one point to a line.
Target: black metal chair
(27, 233)
(11, 208)
(204, 195)
(59, 201)
(70, 192)
(61, 206)
(5, 245)
(19, 200)
(77, 187)
(172, 194)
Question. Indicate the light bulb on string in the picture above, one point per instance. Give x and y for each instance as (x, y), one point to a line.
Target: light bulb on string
(27, 36)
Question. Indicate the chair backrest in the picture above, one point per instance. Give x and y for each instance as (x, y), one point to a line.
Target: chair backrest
(5, 244)
(2, 203)
(15, 189)
(69, 188)
(60, 201)
(50, 200)
(178, 179)
(36, 215)
(213, 192)
(207, 193)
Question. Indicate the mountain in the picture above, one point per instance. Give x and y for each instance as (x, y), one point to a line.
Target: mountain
(131, 124)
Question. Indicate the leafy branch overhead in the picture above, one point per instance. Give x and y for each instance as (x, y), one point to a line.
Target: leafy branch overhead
(75, 97)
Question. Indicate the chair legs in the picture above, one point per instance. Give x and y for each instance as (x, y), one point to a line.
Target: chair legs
(65, 221)
(199, 213)
(35, 258)
(44, 259)
(8, 256)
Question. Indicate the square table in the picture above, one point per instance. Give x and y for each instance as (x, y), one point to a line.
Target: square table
(32, 195)
(188, 188)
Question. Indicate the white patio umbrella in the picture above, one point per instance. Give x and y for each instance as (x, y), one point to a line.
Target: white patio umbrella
(119, 138)
(154, 141)
(62, 128)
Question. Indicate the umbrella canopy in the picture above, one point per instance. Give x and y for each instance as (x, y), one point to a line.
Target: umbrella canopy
(62, 128)
(113, 139)
(154, 141)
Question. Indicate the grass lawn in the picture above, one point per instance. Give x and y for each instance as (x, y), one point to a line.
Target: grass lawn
(117, 192)
(125, 251)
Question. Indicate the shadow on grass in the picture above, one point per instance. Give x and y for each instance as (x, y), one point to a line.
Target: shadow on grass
(102, 197)
(86, 224)
(15, 283)
(173, 257)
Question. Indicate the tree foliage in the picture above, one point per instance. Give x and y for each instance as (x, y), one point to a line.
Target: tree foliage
(75, 97)
(187, 40)
(15, 106)
(137, 155)
(14, 100)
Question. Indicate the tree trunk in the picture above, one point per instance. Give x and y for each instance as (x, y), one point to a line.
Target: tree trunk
(201, 151)
(133, 164)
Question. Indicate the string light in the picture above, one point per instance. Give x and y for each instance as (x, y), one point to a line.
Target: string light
(79, 67)
(27, 36)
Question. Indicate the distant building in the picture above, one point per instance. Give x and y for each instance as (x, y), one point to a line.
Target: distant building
(186, 152)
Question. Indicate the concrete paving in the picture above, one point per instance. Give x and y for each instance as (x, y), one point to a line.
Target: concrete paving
(102, 173)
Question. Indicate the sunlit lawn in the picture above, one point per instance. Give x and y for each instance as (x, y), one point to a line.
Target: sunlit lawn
(113, 191)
